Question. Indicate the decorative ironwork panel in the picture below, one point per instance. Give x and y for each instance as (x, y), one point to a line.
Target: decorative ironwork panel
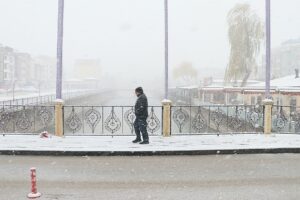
(112, 123)
(130, 117)
(24, 122)
(106, 120)
(26, 119)
(153, 122)
(93, 118)
(295, 120)
(45, 115)
(217, 117)
(199, 123)
(255, 116)
(280, 119)
(181, 118)
(236, 121)
(5, 119)
(73, 121)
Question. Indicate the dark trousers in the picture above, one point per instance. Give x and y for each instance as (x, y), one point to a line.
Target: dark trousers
(140, 126)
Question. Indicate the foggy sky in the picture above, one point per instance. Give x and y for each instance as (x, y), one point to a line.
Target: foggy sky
(128, 35)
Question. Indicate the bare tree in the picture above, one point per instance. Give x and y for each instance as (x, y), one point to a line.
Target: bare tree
(245, 34)
(185, 73)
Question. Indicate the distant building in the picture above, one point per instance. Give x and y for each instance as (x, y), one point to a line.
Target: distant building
(44, 70)
(7, 66)
(284, 60)
(87, 69)
(24, 70)
(285, 91)
(211, 82)
(19, 70)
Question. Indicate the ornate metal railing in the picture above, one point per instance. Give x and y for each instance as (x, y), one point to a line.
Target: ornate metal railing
(43, 99)
(216, 119)
(108, 120)
(118, 120)
(26, 119)
(285, 119)
(38, 100)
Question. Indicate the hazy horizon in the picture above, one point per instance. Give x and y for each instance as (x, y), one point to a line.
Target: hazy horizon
(128, 35)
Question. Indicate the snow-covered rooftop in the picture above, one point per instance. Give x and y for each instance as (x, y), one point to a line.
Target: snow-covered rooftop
(283, 82)
(189, 87)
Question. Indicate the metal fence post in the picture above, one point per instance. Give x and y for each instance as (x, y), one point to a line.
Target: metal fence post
(59, 117)
(166, 117)
(268, 103)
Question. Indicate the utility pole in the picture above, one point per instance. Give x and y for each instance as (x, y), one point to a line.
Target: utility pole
(59, 57)
(166, 51)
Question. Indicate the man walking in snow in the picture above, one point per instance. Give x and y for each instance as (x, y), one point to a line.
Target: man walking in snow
(141, 113)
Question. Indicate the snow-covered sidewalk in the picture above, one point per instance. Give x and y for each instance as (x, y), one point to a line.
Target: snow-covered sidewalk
(110, 145)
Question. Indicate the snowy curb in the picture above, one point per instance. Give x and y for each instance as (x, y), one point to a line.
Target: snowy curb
(150, 153)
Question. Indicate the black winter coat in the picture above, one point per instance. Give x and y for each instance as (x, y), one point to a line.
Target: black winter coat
(141, 107)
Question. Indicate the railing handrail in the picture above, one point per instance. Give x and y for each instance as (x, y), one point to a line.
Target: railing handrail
(219, 105)
(27, 105)
(117, 106)
(41, 98)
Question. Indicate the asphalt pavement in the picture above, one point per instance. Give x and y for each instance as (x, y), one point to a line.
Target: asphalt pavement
(261, 176)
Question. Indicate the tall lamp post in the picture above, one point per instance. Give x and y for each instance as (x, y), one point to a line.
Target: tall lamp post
(166, 129)
(59, 102)
(166, 51)
(268, 48)
(268, 103)
(60, 24)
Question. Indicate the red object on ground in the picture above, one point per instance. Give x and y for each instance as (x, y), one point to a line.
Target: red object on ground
(44, 134)
(34, 193)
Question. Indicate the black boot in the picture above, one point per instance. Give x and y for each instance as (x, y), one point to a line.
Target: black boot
(144, 142)
(137, 140)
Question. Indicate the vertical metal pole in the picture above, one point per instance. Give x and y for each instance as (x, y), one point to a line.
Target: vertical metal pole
(59, 49)
(166, 51)
(268, 48)
(13, 90)
(39, 88)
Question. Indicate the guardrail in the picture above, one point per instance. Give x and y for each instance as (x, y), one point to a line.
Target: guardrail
(108, 120)
(216, 119)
